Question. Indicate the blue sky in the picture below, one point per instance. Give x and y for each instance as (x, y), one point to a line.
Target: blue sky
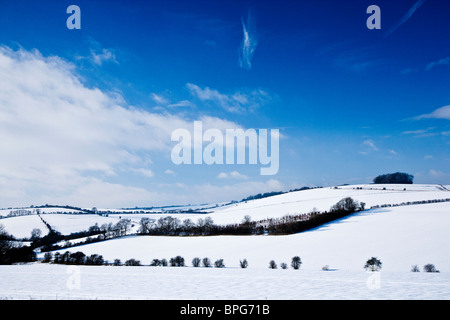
(87, 114)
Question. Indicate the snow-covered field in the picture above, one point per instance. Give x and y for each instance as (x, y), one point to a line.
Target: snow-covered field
(400, 237)
(71, 223)
(21, 227)
(57, 282)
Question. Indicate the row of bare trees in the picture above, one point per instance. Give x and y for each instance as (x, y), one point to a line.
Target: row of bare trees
(285, 225)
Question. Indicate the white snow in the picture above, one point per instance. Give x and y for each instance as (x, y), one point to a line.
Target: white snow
(21, 226)
(399, 236)
(58, 282)
(71, 223)
(322, 199)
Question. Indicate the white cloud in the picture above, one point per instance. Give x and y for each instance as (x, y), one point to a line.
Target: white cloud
(59, 138)
(238, 102)
(182, 103)
(441, 62)
(169, 172)
(106, 55)
(222, 175)
(159, 99)
(440, 113)
(232, 174)
(144, 172)
(415, 132)
(393, 152)
(237, 175)
(249, 42)
(439, 176)
(371, 144)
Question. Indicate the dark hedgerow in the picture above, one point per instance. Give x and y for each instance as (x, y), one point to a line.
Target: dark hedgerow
(132, 262)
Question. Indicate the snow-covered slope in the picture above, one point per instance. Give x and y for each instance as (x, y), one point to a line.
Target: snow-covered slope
(272, 207)
(71, 223)
(399, 236)
(21, 226)
(323, 198)
(320, 198)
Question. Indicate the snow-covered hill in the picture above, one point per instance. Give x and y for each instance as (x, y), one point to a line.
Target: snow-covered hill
(400, 236)
(271, 207)
(305, 201)
(323, 198)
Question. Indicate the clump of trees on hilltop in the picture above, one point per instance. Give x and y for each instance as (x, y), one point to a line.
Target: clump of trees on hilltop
(394, 178)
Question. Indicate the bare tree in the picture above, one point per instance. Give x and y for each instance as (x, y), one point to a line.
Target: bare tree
(219, 263)
(123, 226)
(146, 225)
(296, 262)
(373, 264)
(196, 262)
(206, 262)
(35, 234)
(415, 268)
(187, 225)
(430, 268)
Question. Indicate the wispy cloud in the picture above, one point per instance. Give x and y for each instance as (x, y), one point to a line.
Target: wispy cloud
(405, 18)
(426, 133)
(371, 144)
(170, 172)
(249, 42)
(105, 55)
(144, 172)
(238, 102)
(441, 62)
(417, 132)
(347, 57)
(232, 174)
(159, 99)
(440, 113)
(98, 55)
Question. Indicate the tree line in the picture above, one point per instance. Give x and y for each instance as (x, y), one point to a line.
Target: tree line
(285, 225)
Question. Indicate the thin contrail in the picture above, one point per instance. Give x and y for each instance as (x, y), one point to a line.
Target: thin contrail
(406, 17)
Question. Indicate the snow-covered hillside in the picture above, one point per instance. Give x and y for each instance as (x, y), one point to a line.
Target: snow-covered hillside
(304, 201)
(400, 237)
(271, 207)
(323, 198)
